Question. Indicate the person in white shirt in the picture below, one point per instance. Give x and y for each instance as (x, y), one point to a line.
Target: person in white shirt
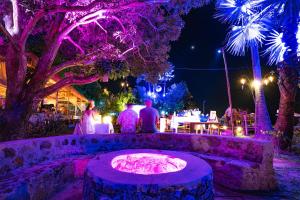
(128, 119)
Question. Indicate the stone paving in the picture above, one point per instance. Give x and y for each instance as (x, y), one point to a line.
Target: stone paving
(287, 169)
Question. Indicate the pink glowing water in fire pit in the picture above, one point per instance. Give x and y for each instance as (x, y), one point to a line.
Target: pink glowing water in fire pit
(147, 163)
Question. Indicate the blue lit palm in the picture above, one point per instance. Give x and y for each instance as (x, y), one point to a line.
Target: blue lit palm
(284, 50)
(248, 30)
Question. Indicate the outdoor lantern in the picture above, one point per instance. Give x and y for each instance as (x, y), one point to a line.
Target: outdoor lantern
(255, 84)
(158, 88)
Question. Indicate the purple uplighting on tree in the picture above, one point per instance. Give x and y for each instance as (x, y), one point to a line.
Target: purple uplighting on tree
(60, 36)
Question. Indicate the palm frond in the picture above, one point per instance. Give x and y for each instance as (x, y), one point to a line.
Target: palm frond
(276, 5)
(235, 11)
(276, 48)
(241, 37)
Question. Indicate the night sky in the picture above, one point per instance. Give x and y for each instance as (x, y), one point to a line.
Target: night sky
(197, 48)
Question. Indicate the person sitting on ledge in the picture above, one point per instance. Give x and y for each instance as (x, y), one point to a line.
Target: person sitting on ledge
(128, 119)
(149, 118)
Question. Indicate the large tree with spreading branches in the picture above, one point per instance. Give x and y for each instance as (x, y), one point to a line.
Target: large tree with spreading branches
(81, 41)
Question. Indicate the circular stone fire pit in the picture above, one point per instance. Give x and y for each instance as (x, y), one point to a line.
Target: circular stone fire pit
(147, 174)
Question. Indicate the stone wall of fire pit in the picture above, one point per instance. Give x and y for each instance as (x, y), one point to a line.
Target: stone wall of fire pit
(193, 181)
(237, 163)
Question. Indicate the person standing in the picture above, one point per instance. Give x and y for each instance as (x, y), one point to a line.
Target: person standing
(128, 119)
(87, 122)
(149, 118)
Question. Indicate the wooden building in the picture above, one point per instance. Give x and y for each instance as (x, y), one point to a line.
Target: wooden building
(67, 100)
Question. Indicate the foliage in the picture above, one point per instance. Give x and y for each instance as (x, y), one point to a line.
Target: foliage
(80, 42)
(168, 75)
(284, 40)
(48, 128)
(117, 37)
(177, 98)
(275, 23)
(91, 91)
(115, 103)
(107, 101)
(247, 28)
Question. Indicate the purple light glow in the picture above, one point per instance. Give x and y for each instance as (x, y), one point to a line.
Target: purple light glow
(147, 163)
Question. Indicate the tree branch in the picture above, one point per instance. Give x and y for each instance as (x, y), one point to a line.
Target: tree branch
(101, 14)
(64, 9)
(127, 51)
(149, 21)
(75, 44)
(119, 22)
(30, 25)
(12, 24)
(77, 62)
(67, 81)
(102, 28)
(8, 36)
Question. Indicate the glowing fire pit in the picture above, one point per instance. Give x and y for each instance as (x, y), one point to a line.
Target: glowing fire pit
(147, 163)
(148, 174)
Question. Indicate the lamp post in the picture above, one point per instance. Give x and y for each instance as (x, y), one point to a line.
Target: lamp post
(228, 87)
(254, 85)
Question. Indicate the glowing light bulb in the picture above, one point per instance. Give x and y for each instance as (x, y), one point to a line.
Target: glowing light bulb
(271, 78)
(256, 84)
(107, 119)
(214, 126)
(105, 91)
(239, 131)
(243, 81)
(266, 81)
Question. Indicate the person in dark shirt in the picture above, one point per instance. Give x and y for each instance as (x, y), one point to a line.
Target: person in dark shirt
(149, 118)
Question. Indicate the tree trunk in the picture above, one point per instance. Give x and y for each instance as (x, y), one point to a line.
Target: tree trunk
(288, 80)
(14, 120)
(262, 118)
(19, 104)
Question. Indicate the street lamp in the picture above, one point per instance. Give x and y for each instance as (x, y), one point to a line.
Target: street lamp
(255, 84)
(243, 81)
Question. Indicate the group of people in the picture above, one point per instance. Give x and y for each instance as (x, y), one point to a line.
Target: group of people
(148, 119)
(129, 121)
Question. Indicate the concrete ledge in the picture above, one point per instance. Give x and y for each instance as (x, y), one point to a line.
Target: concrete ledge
(42, 180)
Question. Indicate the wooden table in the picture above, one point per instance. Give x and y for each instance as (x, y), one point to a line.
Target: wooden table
(209, 124)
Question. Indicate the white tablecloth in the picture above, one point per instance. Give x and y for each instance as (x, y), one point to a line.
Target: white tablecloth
(104, 128)
(100, 128)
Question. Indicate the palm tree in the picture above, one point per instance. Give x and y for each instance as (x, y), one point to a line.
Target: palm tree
(284, 50)
(247, 31)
